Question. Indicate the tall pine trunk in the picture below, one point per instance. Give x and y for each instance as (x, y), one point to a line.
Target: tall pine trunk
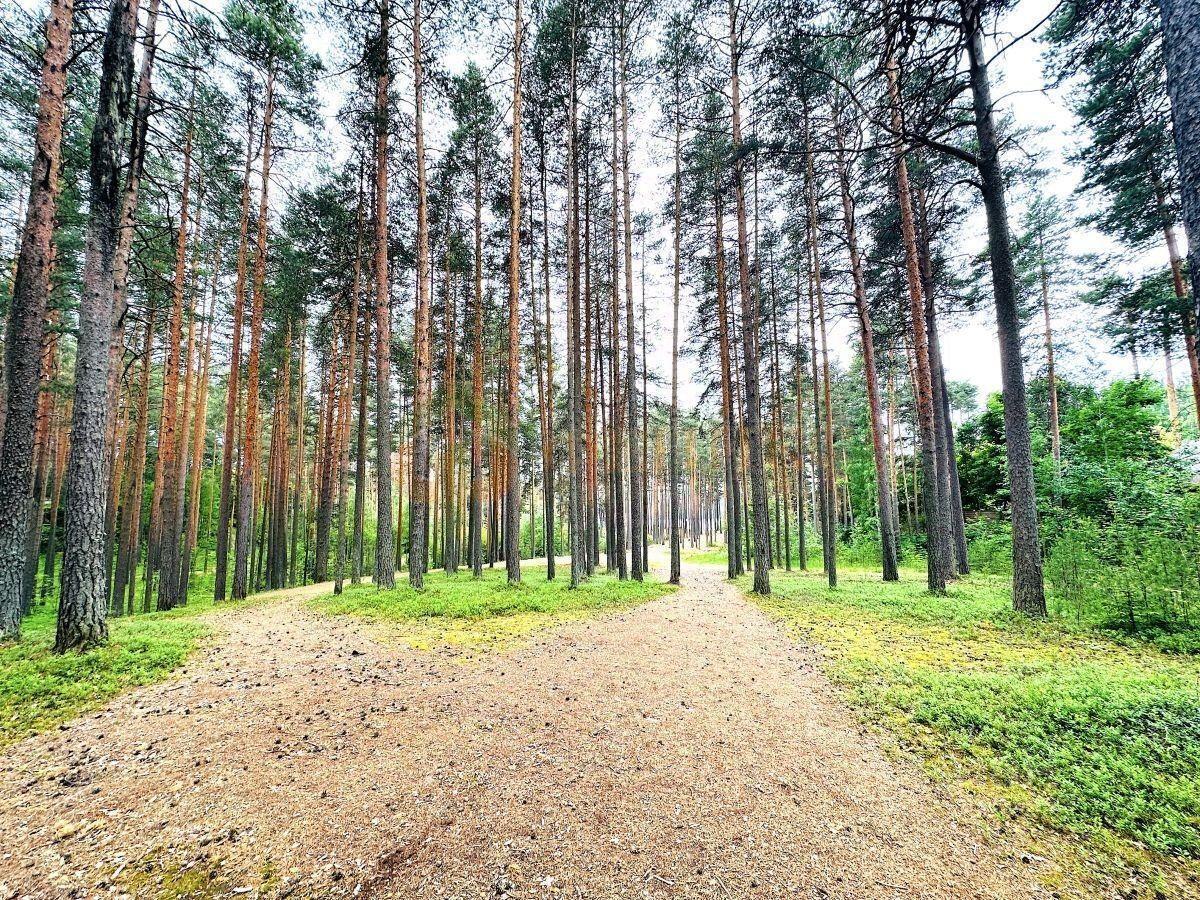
(1028, 589)
(674, 451)
(83, 601)
(249, 461)
(419, 503)
(31, 291)
(512, 511)
(637, 512)
(936, 523)
(475, 537)
(226, 505)
(171, 430)
(385, 540)
(733, 493)
(749, 303)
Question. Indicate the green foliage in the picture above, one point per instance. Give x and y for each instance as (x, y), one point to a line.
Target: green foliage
(1120, 98)
(1094, 734)
(1120, 514)
(982, 465)
(989, 546)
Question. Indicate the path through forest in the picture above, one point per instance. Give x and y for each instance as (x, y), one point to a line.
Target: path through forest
(683, 748)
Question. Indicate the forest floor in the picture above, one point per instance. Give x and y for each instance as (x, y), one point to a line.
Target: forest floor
(684, 747)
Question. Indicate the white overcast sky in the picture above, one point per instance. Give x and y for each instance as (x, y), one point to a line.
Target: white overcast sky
(969, 347)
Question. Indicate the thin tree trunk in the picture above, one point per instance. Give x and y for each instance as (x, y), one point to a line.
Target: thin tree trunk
(345, 389)
(936, 524)
(637, 512)
(249, 461)
(618, 486)
(733, 496)
(1052, 382)
(512, 552)
(450, 390)
(578, 531)
(674, 451)
(360, 456)
(418, 522)
(225, 509)
(171, 435)
(1189, 318)
(753, 415)
(475, 539)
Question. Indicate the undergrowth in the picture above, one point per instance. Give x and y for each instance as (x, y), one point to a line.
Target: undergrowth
(1089, 731)
(40, 689)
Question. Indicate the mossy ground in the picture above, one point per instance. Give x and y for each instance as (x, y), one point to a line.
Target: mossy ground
(40, 689)
(711, 555)
(1092, 733)
(464, 613)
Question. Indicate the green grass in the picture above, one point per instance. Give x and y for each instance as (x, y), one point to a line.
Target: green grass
(713, 555)
(459, 611)
(1095, 734)
(40, 689)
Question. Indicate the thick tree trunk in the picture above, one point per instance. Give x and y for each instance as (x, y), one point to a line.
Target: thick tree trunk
(31, 291)
(82, 603)
(1028, 590)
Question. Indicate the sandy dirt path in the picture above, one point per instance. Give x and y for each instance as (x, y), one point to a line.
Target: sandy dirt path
(682, 748)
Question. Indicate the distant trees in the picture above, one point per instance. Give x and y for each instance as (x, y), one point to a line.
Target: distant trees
(815, 157)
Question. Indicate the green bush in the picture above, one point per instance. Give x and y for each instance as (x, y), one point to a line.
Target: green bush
(989, 546)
